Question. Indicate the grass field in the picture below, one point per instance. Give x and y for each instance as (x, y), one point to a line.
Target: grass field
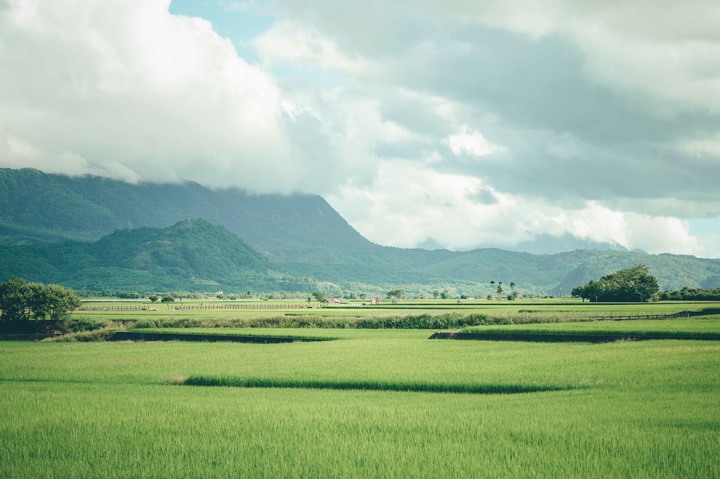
(710, 324)
(625, 409)
(640, 327)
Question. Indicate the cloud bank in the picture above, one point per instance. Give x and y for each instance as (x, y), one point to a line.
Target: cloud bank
(467, 123)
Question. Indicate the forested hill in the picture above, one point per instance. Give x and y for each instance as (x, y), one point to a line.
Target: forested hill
(190, 255)
(37, 207)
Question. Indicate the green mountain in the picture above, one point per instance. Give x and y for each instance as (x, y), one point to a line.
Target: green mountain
(190, 255)
(294, 243)
(557, 273)
(40, 207)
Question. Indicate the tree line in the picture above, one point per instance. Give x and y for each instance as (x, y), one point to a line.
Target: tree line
(691, 294)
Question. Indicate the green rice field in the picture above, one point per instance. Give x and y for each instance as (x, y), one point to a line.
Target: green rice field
(373, 403)
(710, 324)
(212, 309)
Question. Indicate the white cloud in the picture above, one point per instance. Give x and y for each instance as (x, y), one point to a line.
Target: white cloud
(125, 89)
(409, 204)
(471, 143)
(287, 41)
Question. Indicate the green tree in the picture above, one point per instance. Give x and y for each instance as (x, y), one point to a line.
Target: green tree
(22, 300)
(319, 297)
(499, 290)
(167, 300)
(591, 291)
(53, 301)
(634, 284)
(395, 295)
(15, 296)
(153, 298)
(514, 294)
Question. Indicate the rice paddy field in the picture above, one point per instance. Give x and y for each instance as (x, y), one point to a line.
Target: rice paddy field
(129, 309)
(368, 403)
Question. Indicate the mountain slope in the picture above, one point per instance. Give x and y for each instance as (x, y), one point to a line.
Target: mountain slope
(190, 255)
(301, 235)
(35, 206)
(188, 248)
(196, 255)
(557, 273)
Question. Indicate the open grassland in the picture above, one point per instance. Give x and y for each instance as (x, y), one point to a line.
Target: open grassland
(626, 409)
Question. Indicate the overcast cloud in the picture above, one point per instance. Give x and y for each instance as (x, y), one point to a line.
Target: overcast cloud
(461, 122)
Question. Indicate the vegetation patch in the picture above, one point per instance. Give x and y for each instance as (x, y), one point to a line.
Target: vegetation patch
(459, 388)
(206, 337)
(89, 335)
(451, 320)
(552, 337)
(417, 321)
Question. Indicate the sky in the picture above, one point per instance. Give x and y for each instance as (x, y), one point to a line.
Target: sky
(457, 123)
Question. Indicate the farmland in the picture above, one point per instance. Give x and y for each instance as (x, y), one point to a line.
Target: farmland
(370, 403)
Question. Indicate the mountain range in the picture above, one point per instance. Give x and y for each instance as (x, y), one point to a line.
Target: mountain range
(95, 233)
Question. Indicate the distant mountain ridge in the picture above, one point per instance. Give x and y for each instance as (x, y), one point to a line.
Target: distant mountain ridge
(150, 237)
(549, 244)
(541, 244)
